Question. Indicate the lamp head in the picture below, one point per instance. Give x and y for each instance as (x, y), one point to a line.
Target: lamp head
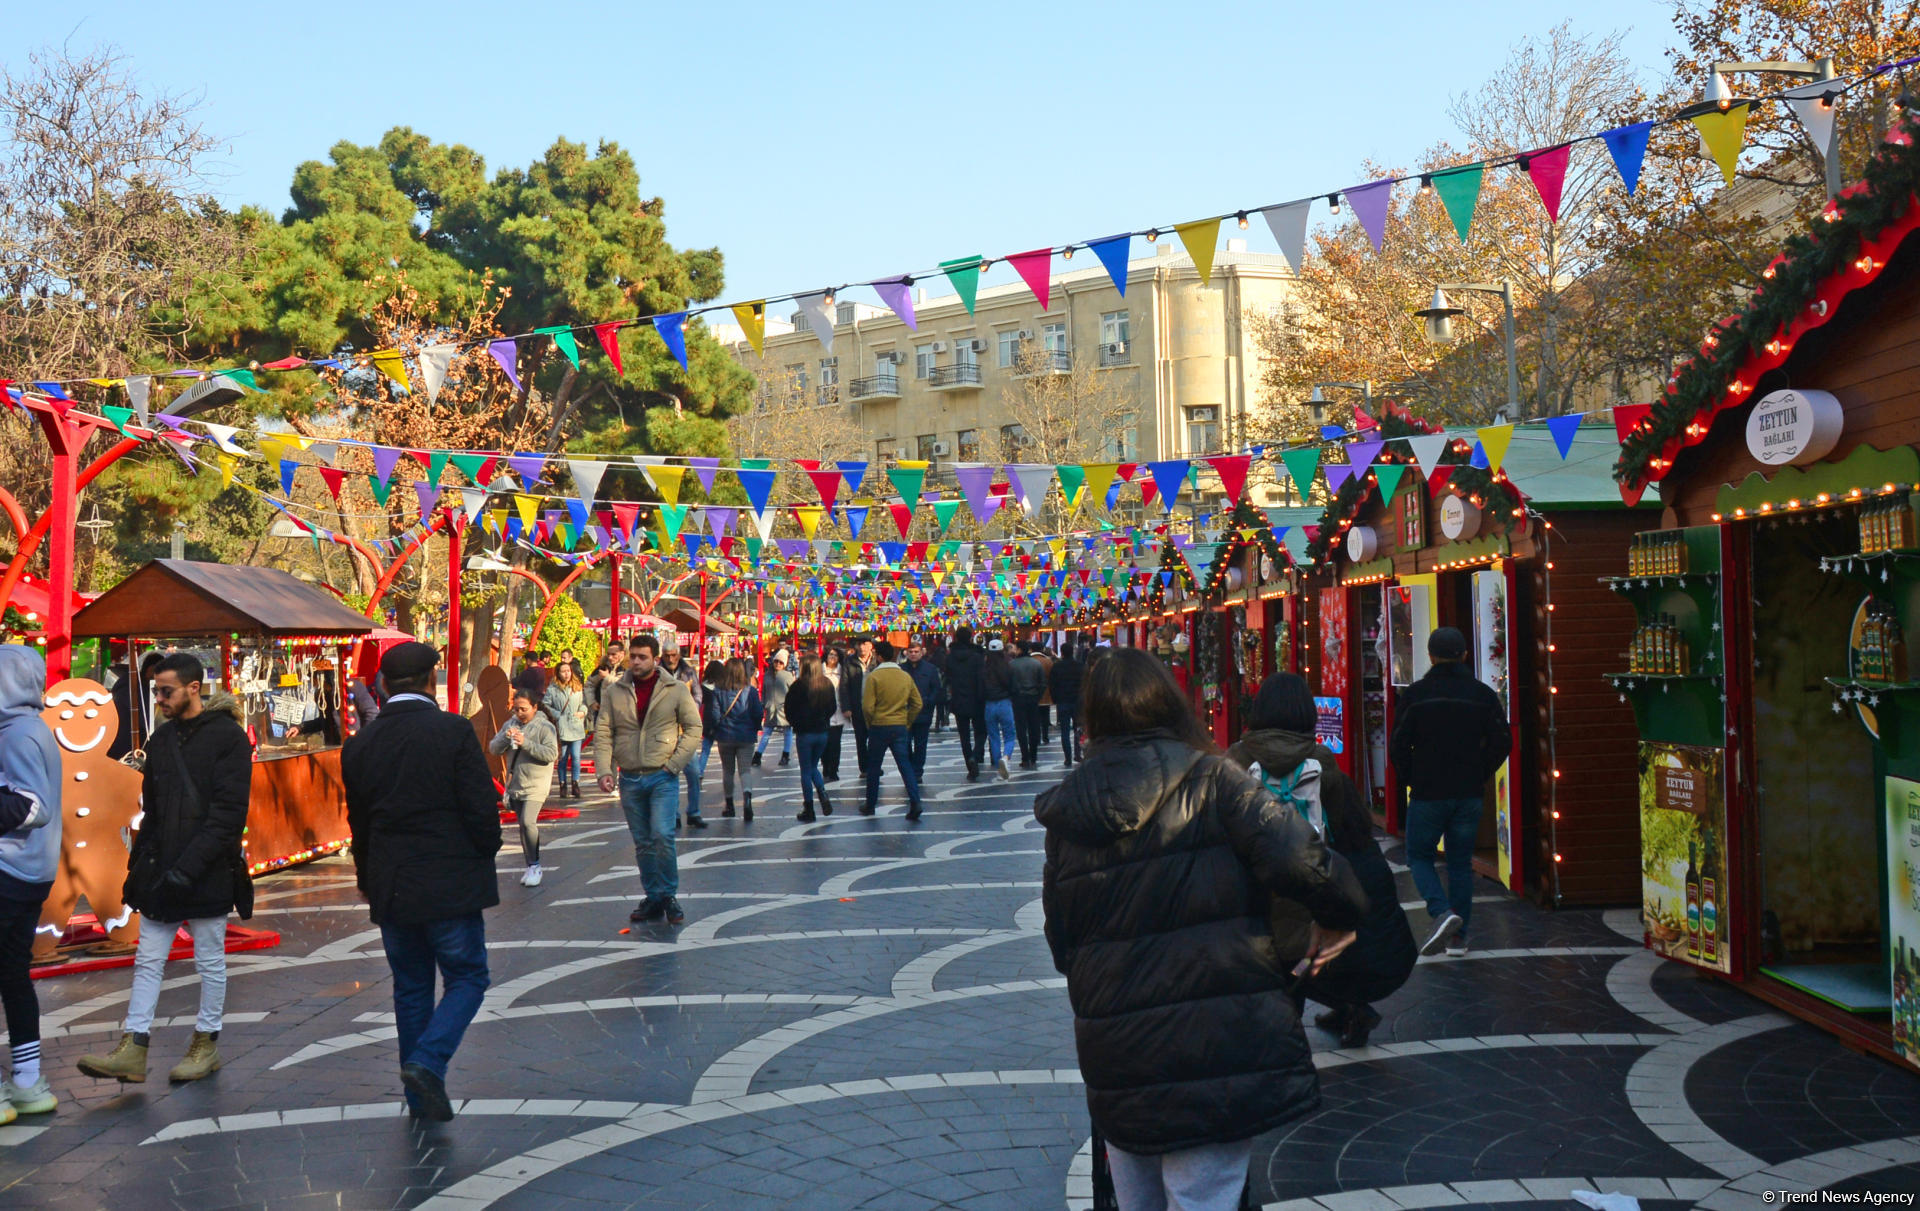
(1439, 316)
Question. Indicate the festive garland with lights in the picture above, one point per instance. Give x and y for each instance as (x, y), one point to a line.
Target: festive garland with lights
(1487, 489)
(1845, 249)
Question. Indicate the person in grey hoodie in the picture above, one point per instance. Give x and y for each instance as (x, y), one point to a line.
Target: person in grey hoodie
(779, 680)
(29, 858)
(528, 743)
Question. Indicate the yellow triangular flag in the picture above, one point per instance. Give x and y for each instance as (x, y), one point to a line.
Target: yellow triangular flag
(272, 449)
(525, 505)
(496, 521)
(1073, 506)
(753, 322)
(1725, 133)
(1199, 239)
(912, 464)
(667, 481)
(1494, 439)
(389, 363)
(809, 516)
(1099, 479)
(227, 464)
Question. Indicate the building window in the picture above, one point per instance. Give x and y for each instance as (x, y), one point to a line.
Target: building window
(1009, 341)
(1013, 440)
(1124, 445)
(964, 353)
(829, 371)
(923, 356)
(1203, 430)
(923, 447)
(1113, 327)
(967, 447)
(1053, 338)
(797, 378)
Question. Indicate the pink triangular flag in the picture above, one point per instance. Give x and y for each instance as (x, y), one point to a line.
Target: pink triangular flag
(1370, 202)
(1549, 172)
(1035, 269)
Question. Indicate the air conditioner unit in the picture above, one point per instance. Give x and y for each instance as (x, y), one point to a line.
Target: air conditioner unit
(941, 449)
(939, 346)
(978, 345)
(1023, 335)
(1117, 348)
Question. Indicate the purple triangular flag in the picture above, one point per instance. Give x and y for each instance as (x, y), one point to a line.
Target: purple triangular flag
(1370, 202)
(385, 459)
(1337, 475)
(506, 353)
(1360, 455)
(705, 468)
(429, 497)
(528, 467)
(974, 479)
(898, 296)
(720, 519)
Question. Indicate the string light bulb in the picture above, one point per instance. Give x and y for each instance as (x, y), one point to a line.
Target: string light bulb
(1153, 234)
(1333, 200)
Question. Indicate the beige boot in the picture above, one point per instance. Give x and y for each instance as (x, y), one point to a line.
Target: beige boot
(127, 1062)
(203, 1059)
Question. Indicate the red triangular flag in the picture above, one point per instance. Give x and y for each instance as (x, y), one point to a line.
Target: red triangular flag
(1440, 476)
(334, 477)
(1148, 491)
(1232, 469)
(609, 335)
(285, 363)
(1125, 471)
(627, 513)
(808, 464)
(902, 516)
(1627, 418)
(1549, 172)
(1034, 269)
(826, 482)
(1631, 493)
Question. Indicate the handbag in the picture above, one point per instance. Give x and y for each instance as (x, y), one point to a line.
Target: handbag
(236, 859)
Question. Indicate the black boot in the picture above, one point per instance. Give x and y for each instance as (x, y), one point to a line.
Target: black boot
(756, 761)
(786, 759)
(1361, 1020)
(746, 807)
(729, 813)
(826, 805)
(806, 815)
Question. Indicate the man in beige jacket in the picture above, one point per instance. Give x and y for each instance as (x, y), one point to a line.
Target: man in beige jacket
(648, 730)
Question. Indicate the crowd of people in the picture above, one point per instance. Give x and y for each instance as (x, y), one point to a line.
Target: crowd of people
(1194, 899)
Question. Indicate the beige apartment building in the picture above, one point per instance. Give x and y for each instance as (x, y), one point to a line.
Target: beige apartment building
(1176, 360)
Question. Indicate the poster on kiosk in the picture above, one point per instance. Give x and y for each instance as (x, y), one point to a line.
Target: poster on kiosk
(1492, 648)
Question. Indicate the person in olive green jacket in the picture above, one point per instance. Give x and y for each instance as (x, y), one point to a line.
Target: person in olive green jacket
(649, 729)
(889, 700)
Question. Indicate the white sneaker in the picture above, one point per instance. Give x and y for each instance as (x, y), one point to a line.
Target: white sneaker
(1005, 772)
(1457, 949)
(36, 1098)
(532, 877)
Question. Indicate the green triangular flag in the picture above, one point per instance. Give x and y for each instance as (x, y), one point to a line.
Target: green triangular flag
(1073, 477)
(436, 463)
(908, 481)
(240, 378)
(1459, 190)
(119, 417)
(563, 340)
(755, 464)
(672, 517)
(381, 487)
(964, 273)
(470, 465)
(1388, 475)
(1301, 464)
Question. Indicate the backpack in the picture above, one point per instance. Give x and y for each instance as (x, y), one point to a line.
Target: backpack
(1298, 789)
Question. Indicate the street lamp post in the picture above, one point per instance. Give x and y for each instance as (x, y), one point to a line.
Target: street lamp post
(1439, 316)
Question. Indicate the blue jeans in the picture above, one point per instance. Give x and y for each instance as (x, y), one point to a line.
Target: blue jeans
(695, 771)
(429, 1033)
(813, 746)
(1458, 821)
(921, 727)
(1069, 732)
(890, 739)
(999, 728)
(786, 739)
(569, 760)
(652, 806)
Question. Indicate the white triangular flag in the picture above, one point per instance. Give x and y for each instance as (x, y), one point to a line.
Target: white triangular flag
(139, 388)
(474, 500)
(223, 437)
(1809, 104)
(819, 313)
(434, 360)
(1428, 450)
(763, 522)
(1289, 226)
(1034, 479)
(326, 452)
(587, 474)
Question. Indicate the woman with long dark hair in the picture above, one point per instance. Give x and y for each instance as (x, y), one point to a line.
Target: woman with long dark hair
(1162, 860)
(833, 666)
(1280, 748)
(812, 703)
(733, 720)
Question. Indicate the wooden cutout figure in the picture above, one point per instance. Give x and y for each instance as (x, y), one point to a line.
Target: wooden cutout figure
(495, 693)
(100, 809)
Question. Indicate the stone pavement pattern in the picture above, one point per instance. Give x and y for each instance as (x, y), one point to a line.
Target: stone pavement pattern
(861, 1013)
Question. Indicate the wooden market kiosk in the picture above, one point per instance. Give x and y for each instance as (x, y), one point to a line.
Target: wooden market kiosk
(1461, 550)
(281, 647)
(1780, 787)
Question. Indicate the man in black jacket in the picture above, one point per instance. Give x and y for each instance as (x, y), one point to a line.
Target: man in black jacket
(966, 697)
(186, 864)
(1450, 735)
(1029, 687)
(426, 824)
(853, 679)
(1063, 683)
(933, 692)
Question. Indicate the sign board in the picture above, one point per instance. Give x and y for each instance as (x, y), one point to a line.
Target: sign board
(1683, 848)
(1330, 724)
(1459, 518)
(1794, 426)
(1362, 543)
(1903, 913)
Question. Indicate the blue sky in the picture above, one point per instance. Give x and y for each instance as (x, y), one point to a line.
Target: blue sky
(817, 144)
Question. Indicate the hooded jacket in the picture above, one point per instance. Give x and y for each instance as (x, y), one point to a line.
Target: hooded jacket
(966, 664)
(29, 764)
(1382, 956)
(194, 830)
(1161, 865)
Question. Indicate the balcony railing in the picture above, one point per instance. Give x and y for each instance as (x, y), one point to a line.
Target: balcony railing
(965, 374)
(1119, 353)
(1047, 361)
(871, 388)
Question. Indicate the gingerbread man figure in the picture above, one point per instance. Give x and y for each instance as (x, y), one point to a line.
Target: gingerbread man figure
(100, 808)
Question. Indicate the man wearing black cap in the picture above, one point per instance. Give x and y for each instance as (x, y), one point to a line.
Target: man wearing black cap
(426, 824)
(1450, 735)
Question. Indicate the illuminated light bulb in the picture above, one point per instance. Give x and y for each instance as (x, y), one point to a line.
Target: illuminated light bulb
(1152, 236)
(1242, 216)
(1066, 254)
(1556, 857)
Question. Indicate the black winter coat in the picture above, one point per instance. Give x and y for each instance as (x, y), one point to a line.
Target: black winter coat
(965, 665)
(424, 815)
(926, 679)
(1449, 733)
(853, 679)
(1063, 682)
(1382, 956)
(1161, 862)
(198, 836)
(810, 709)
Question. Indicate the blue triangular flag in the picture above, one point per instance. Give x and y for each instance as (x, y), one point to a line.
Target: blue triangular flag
(857, 519)
(1629, 147)
(577, 509)
(669, 328)
(853, 473)
(758, 485)
(1332, 433)
(54, 390)
(1167, 477)
(1563, 428)
(1112, 252)
(1479, 456)
(287, 468)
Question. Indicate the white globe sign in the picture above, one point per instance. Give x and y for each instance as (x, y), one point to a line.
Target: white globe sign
(1459, 518)
(1794, 426)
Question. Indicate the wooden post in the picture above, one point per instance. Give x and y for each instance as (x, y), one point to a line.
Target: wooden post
(455, 698)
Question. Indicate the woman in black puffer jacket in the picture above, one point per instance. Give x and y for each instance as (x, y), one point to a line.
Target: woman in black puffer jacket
(1162, 859)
